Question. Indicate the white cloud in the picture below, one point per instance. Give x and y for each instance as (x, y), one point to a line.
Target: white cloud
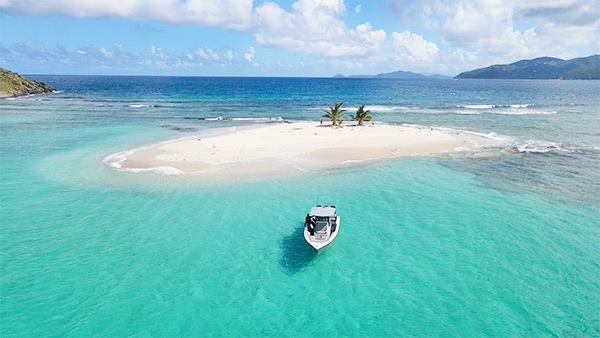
(413, 47)
(234, 14)
(489, 27)
(473, 21)
(207, 53)
(36, 48)
(158, 53)
(115, 58)
(315, 28)
(566, 22)
(472, 32)
(107, 54)
(312, 27)
(250, 55)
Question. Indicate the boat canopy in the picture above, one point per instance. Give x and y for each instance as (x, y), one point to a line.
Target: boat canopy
(319, 211)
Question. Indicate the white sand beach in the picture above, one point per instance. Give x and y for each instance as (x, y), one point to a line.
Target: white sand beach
(277, 147)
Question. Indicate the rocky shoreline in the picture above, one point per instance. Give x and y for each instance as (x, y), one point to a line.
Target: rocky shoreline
(13, 84)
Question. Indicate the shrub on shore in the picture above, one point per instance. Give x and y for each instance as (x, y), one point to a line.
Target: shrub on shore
(361, 115)
(335, 114)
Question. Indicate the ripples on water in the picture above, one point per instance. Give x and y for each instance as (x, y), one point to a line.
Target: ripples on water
(500, 242)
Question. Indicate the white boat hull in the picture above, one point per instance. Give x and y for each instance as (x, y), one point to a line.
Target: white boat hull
(319, 245)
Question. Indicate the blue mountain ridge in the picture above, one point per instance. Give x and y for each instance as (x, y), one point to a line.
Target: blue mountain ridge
(587, 68)
(395, 75)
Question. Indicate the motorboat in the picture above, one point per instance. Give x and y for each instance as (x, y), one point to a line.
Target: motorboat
(321, 227)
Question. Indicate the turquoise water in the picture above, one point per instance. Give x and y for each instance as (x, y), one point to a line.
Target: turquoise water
(502, 242)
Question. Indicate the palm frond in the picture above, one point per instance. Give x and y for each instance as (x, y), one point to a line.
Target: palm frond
(335, 114)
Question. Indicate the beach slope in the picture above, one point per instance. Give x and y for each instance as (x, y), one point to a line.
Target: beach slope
(278, 147)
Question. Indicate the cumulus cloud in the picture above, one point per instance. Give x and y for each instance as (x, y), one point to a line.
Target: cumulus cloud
(413, 47)
(566, 23)
(472, 32)
(207, 53)
(34, 49)
(481, 23)
(234, 14)
(157, 53)
(250, 55)
(35, 54)
(473, 21)
(314, 27)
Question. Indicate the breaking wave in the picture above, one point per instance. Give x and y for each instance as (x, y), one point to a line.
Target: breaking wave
(373, 108)
(114, 161)
(166, 171)
(541, 147)
(477, 106)
(139, 105)
(502, 109)
(507, 112)
(245, 119)
(257, 119)
(491, 106)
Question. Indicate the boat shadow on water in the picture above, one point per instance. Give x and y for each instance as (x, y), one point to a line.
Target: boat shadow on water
(297, 254)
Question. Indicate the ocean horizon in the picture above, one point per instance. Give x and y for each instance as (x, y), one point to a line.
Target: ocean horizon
(498, 241)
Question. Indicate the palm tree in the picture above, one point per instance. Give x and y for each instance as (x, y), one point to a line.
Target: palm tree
(361, 115)
(335, 114)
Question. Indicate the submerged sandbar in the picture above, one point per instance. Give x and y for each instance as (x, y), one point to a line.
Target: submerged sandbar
(274, 148)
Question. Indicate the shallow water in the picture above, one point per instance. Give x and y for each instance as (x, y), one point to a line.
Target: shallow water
(502, 242)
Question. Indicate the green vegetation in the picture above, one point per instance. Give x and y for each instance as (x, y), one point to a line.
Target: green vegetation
(13, 84)
(335, 114)
(582, 74)
(540, 68)
(361, 115)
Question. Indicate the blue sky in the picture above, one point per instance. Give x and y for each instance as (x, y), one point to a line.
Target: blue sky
(288, 38)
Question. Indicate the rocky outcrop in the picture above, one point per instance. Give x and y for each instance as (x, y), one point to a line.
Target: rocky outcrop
(13, 84)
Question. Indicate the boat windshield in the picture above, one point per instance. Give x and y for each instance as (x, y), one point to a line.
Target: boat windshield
(321, 226)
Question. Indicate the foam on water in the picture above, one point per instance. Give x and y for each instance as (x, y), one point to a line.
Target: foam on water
(162, 170)
(534, 146)
(115, 160)
(490, 106)
(257, 119)
(477, 106)
(373, 108)
(504, 109)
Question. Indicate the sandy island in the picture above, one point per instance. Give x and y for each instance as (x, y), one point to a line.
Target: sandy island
(274, 148)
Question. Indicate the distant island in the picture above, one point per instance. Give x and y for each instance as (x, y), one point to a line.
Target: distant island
(543, 68)
(587, 68)
(395, 75)
(13, 84)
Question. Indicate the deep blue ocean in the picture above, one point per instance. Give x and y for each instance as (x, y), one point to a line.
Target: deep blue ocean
(501, 242)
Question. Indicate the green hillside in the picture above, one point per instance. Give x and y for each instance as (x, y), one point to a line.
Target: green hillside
(13, 84)
(541, 68)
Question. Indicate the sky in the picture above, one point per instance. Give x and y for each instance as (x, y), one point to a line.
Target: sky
(304, 38)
